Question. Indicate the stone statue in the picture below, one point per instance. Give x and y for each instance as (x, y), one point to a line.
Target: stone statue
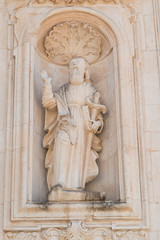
(73, 118)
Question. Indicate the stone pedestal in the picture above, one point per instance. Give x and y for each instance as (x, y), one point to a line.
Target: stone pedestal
(60, 195)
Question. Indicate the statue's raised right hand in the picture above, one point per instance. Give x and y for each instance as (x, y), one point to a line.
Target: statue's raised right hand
(45, 77)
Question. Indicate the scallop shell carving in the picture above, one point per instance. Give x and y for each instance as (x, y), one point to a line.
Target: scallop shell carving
(73, 39)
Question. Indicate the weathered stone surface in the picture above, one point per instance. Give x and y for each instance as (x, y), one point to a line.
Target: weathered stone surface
(60, 195)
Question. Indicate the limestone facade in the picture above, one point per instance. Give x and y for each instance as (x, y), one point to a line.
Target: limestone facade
(127, 75)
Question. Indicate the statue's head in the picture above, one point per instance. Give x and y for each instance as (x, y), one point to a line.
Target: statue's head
(79, 70)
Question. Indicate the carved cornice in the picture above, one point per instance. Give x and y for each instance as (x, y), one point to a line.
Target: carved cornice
(124, 3)
(78, 231)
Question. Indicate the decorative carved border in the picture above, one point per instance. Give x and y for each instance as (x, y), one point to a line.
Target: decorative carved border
(77, 231)
(22, 236)
(124, 3)
(75, 2)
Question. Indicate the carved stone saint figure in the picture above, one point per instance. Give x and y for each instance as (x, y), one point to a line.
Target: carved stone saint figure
(73, 118)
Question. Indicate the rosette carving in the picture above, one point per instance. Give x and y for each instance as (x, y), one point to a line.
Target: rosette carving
(73, 39)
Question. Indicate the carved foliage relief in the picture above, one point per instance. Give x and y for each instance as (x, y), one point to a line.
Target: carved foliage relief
(75, 1)
(22, 236)
(124, 3)
(130, 235)
(77, 231)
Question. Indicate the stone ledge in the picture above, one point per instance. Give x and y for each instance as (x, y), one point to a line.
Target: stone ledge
(60, 195)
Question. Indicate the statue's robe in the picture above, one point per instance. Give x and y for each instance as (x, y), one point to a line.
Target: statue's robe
(67, 135)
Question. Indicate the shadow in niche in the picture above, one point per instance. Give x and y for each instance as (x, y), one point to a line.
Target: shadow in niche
(102, 75)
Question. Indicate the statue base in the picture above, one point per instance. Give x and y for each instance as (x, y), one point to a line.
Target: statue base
(61, 195)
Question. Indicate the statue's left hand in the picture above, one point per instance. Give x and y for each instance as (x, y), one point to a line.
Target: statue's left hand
(95, 126)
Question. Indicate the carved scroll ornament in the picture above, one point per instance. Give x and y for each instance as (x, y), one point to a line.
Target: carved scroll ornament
(78, 231)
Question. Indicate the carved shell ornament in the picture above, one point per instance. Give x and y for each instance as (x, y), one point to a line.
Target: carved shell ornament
(73, 39)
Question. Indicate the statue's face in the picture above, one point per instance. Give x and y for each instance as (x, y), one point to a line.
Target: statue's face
(77, 63)
(77, 68)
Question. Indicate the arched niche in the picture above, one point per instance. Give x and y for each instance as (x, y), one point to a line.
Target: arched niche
(25, 179)
(105, 77)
